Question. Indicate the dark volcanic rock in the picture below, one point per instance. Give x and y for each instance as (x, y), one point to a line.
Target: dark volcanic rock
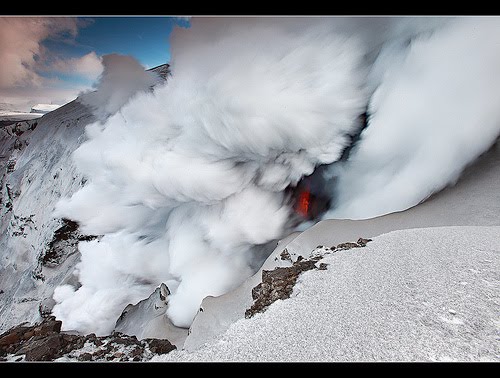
(11, 166)
(322, 266)
(285, 255)
(163, 70)
(71, 342)
(45, 342)
(159, 346)
(137, 352)
(28, 339)
(363, 242)
(49, 326)
(85, 357)
(43, 349)
(11, 338)
(278, 283)
(64, 243)
(349, 245)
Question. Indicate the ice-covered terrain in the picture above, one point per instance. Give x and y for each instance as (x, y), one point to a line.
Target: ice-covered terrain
(429, 294)
(8, 117)
(44, 108)
(473, 201)
(10, 113)
(36, 170)
(198, 179)
(145, 208)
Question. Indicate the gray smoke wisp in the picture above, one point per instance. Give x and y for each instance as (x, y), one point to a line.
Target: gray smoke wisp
(122, 78)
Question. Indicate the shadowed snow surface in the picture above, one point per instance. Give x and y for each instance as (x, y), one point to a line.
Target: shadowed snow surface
(427, 294)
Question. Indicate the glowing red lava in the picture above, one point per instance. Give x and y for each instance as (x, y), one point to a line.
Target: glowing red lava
(303, 202)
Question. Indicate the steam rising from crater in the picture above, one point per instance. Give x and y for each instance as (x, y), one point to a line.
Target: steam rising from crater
(435, 111)
(123, 77)
(186, 182)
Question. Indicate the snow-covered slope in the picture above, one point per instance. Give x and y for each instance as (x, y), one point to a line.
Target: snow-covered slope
(10, 113)
(147, 319)
(7, 117)
(429, 294)
(44, 108)
(36, 170)
(473, 201)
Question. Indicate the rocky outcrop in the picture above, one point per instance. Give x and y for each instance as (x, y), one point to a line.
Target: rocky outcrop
(64, 243)
(279, 282)
(45, 342)
(163, 71)
(148, 319)
(274, 280)
(37, 343)
(360, 243)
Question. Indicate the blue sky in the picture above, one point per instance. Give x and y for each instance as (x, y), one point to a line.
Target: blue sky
(144, 38)
(64, 57)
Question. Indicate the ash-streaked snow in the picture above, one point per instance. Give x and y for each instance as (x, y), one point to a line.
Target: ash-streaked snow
(186, 180)
(195, 179)
(428, 294)
(41, 171)
(192, 190)
(37, 170)
(7, 117)
(44, 108)
(11, 113)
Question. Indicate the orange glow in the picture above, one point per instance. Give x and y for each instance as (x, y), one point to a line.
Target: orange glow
(303, 203)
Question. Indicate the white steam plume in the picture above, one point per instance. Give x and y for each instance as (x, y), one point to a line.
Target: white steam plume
(122, 78)
(436, 110)
(186, 182)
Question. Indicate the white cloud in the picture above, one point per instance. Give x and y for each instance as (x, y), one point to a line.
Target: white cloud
(24, 98)
(21, 48)
(23, 57)
(89, 65)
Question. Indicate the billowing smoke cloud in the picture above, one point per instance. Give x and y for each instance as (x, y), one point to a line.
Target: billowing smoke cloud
(122, 78)
(435, 111)
(186, 182)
